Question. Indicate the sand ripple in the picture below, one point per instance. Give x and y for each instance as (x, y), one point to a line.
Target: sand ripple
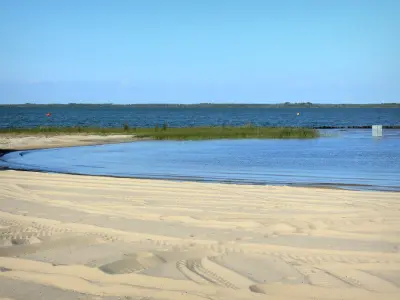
(107, 238)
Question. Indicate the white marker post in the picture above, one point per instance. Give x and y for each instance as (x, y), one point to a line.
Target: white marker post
(376, 130)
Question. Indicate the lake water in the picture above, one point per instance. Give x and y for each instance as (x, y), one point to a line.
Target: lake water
(116, 116)
(343, 158)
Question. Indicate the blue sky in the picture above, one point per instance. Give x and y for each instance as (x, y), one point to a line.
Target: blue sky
(195, 51)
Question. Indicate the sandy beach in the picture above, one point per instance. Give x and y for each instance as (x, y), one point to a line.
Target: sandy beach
(84, 237)
(27, 142)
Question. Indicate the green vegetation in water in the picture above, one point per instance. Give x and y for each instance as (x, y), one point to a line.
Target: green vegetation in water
(164, 132)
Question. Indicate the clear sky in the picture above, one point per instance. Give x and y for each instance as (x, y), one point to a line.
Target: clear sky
(191, 51)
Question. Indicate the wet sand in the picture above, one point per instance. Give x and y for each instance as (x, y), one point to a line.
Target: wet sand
(85, 237)
(28, 142)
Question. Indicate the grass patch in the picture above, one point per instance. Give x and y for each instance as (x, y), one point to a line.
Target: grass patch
(186, 133)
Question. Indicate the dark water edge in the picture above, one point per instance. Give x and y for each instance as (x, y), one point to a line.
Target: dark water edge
(5, 151)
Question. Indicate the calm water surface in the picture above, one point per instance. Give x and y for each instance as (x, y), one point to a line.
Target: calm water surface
(178, 117)
(347, 158)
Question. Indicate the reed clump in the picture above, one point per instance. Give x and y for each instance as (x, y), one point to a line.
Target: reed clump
(165, 132)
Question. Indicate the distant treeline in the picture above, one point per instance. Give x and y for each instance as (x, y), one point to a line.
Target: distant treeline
(215, 105)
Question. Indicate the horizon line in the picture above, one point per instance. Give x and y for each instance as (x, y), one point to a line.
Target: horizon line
(201, 103)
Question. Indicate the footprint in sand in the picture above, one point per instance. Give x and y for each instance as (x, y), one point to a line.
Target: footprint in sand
(279, 229)
(25, 241)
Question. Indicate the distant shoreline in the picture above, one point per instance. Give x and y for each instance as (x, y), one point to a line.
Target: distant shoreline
(213, 105)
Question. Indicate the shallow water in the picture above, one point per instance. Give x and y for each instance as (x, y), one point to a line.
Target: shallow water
(343, 158)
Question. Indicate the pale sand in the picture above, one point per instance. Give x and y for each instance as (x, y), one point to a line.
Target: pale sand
(23, 142)
(83, 237)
